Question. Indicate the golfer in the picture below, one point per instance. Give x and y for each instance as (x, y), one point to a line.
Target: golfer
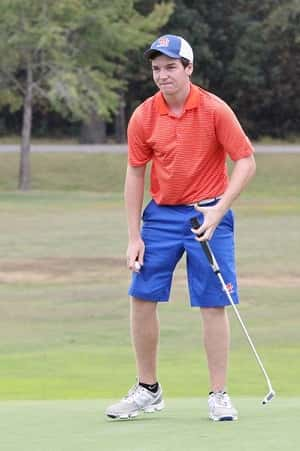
(186, 133)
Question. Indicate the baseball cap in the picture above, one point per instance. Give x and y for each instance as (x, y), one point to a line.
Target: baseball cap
(172, 46)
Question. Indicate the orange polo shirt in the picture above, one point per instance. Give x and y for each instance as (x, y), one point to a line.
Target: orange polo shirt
(188, 153)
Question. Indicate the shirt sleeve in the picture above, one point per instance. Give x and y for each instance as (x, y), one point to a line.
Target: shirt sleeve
(139, 152)
(230, 133)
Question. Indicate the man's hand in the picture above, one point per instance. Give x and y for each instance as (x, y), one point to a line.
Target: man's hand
(211, 218)
(135, 254)
(243, 171)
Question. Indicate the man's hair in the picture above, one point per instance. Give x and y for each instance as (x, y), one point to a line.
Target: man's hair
(185, 62)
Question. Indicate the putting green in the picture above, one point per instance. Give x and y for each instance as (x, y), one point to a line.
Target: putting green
(183, 425)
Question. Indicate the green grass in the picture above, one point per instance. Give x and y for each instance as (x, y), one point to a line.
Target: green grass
(100, 172)
(85, 372)
(65, 350)
(63, 286)
(183, 425)
(64, 309)
(277, 174)
(15, 139)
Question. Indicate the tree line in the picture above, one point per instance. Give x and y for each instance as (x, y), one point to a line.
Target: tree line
(246, 52)
(76, 67)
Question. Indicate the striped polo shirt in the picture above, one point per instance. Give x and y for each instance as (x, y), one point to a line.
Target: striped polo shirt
(188, 153)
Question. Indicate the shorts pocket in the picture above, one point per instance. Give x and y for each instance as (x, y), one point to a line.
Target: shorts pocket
(227, 222)
(146, 211)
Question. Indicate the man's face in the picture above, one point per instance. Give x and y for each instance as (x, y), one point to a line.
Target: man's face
(170, 75)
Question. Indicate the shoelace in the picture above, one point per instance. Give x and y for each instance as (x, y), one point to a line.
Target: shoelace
(222, 399)
(135, 391)
(131, 391)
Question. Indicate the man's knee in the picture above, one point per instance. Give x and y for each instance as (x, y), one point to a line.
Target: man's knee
(141, 306)
(212, 312)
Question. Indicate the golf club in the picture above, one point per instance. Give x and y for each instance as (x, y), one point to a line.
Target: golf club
(215, 267)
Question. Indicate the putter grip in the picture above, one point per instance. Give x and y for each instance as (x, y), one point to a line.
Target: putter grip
(205, 246)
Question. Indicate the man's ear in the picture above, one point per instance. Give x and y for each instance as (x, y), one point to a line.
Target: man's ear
(189, 69)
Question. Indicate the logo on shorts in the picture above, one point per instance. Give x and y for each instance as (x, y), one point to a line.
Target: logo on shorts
(229, 287)
(163, 42)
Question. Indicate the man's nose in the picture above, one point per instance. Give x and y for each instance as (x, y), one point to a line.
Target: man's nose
(163, 74)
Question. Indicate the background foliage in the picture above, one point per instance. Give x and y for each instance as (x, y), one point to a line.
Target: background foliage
(245, 52)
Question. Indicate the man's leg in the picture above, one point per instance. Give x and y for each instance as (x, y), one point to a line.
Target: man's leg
(145, 338)
(147, 397)
(216, 338)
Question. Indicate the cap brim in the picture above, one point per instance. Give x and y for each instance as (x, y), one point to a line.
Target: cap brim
(153, 52)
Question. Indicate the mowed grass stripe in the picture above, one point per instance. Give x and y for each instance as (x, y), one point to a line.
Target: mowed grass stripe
(183, 425)
(86, 373)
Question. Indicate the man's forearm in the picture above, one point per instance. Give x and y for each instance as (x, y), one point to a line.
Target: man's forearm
(242, 173)
(134, 195)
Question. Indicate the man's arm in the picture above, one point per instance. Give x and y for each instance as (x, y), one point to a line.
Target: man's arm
(134, 196)
(243, 170)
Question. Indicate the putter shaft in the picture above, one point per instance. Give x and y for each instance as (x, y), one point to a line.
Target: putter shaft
(215, 267)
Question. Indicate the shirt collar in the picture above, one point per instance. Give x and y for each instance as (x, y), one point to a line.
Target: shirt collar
(191, 102)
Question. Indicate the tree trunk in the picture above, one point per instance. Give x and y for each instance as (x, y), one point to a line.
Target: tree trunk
(93, 131)
(120, 122)
(24, 168)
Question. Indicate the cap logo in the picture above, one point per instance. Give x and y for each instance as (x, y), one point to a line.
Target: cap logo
(163, 42)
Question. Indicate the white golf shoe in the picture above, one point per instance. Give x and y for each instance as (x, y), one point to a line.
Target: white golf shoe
(220, 407)
(138, 400)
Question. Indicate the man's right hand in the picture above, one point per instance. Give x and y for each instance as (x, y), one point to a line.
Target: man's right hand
(135, 253)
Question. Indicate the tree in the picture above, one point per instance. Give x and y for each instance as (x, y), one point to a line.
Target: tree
(185, 21)
(245, 52)
(282, 64)
(64, 54)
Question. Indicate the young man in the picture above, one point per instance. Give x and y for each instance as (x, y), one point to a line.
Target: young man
(187, 133)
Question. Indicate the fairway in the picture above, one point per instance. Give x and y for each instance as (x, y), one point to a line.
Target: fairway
(64, 335)
(183, 425)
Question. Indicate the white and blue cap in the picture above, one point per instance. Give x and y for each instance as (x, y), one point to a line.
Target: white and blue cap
(172, 46)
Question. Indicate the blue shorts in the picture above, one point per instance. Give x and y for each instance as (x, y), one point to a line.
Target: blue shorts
(167, 236)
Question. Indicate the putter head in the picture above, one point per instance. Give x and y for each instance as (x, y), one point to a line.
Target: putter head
(268, 397)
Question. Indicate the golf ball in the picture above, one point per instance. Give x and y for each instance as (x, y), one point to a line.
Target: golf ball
(137, 266)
